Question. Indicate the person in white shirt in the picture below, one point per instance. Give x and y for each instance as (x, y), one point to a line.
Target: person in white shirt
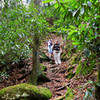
(57, 52)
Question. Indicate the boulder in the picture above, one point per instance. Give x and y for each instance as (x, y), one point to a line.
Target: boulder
(25, 92)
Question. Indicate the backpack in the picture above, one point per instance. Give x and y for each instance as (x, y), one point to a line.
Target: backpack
(56, 47)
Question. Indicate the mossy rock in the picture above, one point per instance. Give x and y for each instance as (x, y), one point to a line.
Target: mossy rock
(25, 92)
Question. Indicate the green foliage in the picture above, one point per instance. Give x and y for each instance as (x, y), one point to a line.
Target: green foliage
(69, 94)
(85, 66)
(78, 20)
(89, 94)
(18, 25)
(3, 75)
(43, 67)
(13, 37)
(78, 69)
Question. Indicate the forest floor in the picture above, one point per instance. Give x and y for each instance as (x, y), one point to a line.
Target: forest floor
(56, 73)
(59, 83)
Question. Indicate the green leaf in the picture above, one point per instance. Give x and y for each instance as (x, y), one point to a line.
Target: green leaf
(98, 16)
(75, 43)
(56, 5)
(91, 82)
(47, 1)
(78, 69)
(69, 94)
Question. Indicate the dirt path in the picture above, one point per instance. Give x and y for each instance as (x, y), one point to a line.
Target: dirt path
(56, 73)
(58, 81)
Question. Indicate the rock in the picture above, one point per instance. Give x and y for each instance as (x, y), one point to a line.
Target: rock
(25, 92)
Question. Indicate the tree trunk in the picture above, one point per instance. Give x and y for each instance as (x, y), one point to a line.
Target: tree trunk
(35, 61)
(35, 50)
(36, 2)
(97, 87)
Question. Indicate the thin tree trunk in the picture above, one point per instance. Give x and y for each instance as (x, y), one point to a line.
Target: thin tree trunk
(36, 2)
(35, 61)
(35, 51)
(97, 87)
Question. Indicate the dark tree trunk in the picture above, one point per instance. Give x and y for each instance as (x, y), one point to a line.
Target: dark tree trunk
(97, 87)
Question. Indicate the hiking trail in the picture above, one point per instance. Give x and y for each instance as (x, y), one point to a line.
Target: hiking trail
(56, 74)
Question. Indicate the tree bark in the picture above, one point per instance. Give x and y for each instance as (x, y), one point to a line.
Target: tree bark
(35, 60)
(35, 50)
(97, 87)
(36, 2)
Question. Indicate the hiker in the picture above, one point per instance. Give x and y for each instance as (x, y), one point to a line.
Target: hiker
(57, 52)
(50, 48)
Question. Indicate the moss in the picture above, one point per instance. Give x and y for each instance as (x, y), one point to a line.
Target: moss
(25, 91)
(43, 67)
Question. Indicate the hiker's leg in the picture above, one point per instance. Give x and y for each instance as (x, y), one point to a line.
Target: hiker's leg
(49, 51)
(55, 57)
(59, 60)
